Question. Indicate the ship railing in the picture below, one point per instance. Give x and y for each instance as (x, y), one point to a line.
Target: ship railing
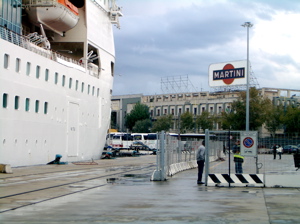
(30, 42)
(10, 36)
(39, 3)
(67, 59)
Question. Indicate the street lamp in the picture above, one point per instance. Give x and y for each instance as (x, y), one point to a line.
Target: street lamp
(248, 25)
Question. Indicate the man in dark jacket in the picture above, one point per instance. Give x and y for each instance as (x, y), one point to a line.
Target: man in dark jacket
(200, 161)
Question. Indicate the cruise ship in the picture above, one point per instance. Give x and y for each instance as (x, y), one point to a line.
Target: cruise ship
(57, 62)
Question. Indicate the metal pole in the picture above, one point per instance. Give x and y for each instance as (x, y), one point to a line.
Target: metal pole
(207, 153)
(162, 156)
(248, 25)
(247, 100)
(229, 159)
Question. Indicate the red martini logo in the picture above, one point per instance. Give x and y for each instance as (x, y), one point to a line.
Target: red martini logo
(228, 74)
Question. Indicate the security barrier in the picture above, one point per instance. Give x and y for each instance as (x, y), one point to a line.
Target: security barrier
(247, 180)
(174, 156)
(260, 170)
(264, 169)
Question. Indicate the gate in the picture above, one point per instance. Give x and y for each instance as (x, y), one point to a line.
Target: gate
(260, 169)
(222, 171)
(173, 156)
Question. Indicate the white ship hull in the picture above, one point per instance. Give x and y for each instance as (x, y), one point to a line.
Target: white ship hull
(51, 105)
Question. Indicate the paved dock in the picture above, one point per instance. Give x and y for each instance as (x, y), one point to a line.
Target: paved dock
(120, 191)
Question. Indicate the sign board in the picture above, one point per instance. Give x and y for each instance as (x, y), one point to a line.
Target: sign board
(248, 143)
(228, 73)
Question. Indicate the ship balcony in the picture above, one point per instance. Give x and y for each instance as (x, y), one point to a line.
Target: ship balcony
(32, 45)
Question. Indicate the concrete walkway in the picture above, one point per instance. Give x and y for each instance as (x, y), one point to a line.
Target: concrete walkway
(120, 191)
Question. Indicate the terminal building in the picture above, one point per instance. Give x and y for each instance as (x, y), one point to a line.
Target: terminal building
(194, 102)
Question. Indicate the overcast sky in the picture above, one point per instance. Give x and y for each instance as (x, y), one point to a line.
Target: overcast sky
(169, 39)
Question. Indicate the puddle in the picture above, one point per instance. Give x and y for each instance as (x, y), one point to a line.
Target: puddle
(136, 175)
(126, 179)
(112, 180)
(250, 192)
(118, 169)
(76, 186)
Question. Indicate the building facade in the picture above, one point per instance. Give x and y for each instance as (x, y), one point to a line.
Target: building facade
(196, 103)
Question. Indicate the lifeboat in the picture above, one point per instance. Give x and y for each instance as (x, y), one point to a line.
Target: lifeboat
(56, 15)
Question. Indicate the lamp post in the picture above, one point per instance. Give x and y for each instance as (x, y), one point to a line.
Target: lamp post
(248, 25)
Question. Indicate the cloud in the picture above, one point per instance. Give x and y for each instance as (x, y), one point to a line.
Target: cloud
(172, 38)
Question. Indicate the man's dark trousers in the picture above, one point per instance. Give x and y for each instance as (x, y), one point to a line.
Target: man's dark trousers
(200, 169)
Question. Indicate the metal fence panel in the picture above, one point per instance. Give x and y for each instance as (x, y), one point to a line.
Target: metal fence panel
(174, 155)
(263, 163)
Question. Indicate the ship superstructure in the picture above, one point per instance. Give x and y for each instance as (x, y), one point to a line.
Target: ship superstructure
(56, 73)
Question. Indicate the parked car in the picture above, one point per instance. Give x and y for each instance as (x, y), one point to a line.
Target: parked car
(139, 146)
(290, 149)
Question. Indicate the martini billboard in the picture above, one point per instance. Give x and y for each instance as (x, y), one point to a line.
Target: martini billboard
(228, 73)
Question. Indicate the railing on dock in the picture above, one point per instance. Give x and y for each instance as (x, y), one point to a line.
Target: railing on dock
(174, 155)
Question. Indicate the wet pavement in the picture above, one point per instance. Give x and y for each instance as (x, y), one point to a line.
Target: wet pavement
(120, 191)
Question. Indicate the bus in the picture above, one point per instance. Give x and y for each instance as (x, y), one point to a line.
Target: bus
(121, 140)
(152, 141)
(189, 136)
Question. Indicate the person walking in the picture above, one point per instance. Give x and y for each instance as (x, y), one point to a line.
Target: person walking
(238, 160)
(200, 162)
(279, 150)
(274, 150)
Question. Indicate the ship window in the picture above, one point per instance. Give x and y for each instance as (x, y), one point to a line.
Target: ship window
(5, 100)
(46, 108)
(76, 85)
(37, 71)
(28, 68)
(98, 91)
(18, 61)
(82, 87)
(27, 104)
(37, 104)
(6, 60)
(46, 74)
(89, 87)
(93, 91)
(70, 83)
(17, 98)
(56, 78)
(112, 68)
(63, 80)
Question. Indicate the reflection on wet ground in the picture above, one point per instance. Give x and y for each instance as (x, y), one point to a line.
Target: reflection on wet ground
(112, 180)
(131, 197)
(130, 178)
